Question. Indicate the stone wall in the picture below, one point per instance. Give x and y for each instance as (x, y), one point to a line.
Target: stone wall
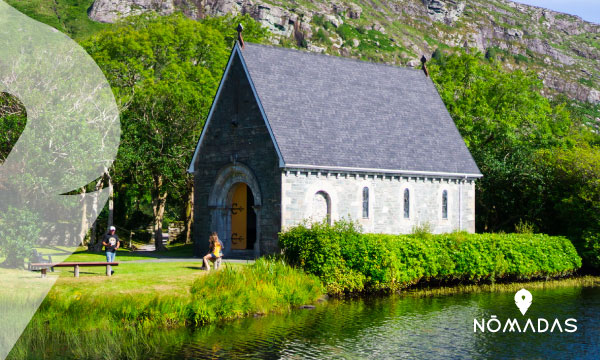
(386, 205)
(236, 147)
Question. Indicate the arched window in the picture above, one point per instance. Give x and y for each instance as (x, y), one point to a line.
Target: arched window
(444, 204)
(365, 203)
(322, 207)
(406, 204)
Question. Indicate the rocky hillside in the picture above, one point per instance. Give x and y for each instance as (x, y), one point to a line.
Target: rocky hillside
(563, 49)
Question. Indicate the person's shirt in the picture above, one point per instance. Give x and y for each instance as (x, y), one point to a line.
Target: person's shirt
(112, 240)
(217, 248)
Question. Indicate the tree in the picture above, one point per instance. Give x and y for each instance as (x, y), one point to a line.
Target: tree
(574, 199)
(164, 72)
(504, 120)
(575, 173)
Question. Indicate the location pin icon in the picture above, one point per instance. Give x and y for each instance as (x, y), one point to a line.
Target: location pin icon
(523, 300)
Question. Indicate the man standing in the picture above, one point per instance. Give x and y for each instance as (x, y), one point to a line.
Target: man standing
(111, 244)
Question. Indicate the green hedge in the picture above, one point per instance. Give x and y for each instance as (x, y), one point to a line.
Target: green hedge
(348, 261)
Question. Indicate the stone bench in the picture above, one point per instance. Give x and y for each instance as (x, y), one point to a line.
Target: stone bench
(75, 265)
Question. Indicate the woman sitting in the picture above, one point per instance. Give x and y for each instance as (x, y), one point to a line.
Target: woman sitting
(215, 250)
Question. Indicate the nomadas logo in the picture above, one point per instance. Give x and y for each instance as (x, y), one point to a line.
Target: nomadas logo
(523, 300)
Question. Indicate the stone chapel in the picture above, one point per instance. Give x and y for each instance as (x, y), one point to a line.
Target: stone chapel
(293, 135)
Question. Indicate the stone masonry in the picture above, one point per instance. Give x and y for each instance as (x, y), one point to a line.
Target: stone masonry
(386, 200)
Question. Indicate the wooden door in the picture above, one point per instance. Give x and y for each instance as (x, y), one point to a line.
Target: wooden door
(239, 216)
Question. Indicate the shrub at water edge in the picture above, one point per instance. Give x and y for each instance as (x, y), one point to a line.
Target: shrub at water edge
(347, 260)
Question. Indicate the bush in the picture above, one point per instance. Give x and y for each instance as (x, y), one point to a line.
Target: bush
(524, 227)
(19, 231)
(318, 20)
(422, 230)
(590, 249)
(437, 55)
(323, 36)
(348, 261)
(347, 32)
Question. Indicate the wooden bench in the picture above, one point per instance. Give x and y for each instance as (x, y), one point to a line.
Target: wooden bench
(39, 258)
(75, 265)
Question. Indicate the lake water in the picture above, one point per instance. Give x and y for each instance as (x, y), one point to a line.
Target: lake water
(406, 327)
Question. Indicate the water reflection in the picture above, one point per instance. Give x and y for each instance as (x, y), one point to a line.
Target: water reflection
(405, 327)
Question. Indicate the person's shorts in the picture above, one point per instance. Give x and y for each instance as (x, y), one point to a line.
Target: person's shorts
(213, 256)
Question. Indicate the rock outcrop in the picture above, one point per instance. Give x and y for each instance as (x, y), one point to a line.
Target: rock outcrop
(109, 11)
(447, 11)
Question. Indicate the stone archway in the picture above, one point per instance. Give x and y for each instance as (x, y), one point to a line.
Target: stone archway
(220, 203)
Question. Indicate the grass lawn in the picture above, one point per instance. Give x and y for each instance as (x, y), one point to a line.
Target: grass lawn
(173, 278)
(170, 286)
(171, 294)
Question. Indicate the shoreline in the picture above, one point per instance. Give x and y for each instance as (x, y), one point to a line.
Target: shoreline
(432, 289)
(553, 283)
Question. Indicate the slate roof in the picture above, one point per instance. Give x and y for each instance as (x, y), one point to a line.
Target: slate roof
(333, 112)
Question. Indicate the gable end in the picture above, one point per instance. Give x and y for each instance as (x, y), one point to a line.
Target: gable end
(236, 51)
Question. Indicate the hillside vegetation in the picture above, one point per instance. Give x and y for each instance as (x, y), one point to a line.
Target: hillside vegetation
(563, 49)
(68, 16)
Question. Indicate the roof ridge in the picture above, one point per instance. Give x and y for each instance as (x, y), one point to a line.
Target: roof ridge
(341, 58)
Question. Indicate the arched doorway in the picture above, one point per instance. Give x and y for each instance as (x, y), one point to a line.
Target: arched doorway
(236, 183)
(243, 218)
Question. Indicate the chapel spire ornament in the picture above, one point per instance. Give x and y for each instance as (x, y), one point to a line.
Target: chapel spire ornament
(424, 66)
(240, 28)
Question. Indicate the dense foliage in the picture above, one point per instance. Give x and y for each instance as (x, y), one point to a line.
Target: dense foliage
(503, 119)
(19, 230)
(164, 72)
(539, 157)
(575, 197)
(348, 261)
(12, 122)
